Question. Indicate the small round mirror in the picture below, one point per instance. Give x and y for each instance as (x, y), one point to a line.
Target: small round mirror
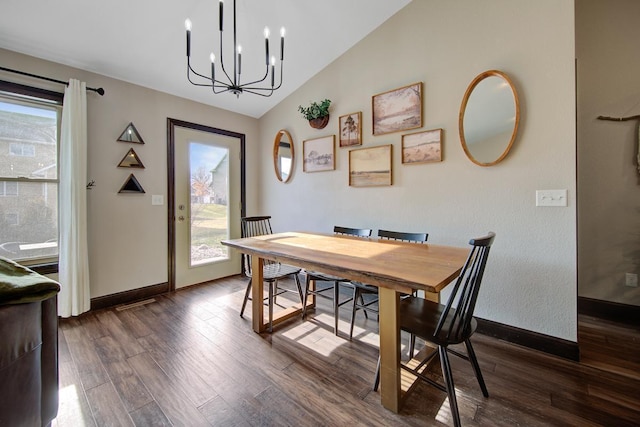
(283, 155)
(489, 117)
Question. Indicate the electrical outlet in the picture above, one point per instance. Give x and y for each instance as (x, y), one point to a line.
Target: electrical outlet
(631, 279)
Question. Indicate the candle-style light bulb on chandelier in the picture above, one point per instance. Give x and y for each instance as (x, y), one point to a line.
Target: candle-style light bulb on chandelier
(231, 82)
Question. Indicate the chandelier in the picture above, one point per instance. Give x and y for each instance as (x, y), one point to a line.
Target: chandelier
(230, 81)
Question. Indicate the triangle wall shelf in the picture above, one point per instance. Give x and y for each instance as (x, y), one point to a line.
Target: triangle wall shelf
(130, 134)
(131, 185)
(131, 160)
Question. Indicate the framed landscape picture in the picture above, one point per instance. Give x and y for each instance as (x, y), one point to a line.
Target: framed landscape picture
(397, 110)
(350, 129)
(370, 167)
(422, 147)
(318, 154)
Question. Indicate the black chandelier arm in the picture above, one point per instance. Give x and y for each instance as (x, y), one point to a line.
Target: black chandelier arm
(281, 74)
(246, 86)
(201, 84)
(195, 83)
(190, 69)
(220, 84)
(266, 74)
(211, 85)
(226, 89)
(258, 93)
(229, 87)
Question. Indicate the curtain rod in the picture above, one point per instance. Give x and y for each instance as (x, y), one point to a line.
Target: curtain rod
(99, 91)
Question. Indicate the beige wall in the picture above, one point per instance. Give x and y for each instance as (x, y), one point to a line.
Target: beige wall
(127, 235)
(607, 35)
(531, 277)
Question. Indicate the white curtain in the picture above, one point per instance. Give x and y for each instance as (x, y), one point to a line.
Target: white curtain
(74, 297)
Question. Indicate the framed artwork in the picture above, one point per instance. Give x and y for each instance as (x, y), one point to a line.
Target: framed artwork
(370, 167)
(397, 110)
(318, 154)
(422, 147)
(350, 129)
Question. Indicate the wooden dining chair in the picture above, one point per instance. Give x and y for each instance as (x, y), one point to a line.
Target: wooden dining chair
(323, 290)
(450, 324)
(272, 271)
(360, 290)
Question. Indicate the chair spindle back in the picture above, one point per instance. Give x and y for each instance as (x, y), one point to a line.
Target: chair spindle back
(465, 292)
(360, 232)
(256, 226)
(253, 226)
(402, 236)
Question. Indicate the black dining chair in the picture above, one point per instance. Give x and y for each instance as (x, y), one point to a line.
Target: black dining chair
(272, 271)
(319, 278)
(360, 290)
(450, 324)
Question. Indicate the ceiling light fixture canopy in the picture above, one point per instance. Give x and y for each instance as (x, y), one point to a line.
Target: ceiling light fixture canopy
(232, 83)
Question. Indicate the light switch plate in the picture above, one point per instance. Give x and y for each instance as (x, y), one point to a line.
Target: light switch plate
(631, 279)
(551, 197)
(157, 200)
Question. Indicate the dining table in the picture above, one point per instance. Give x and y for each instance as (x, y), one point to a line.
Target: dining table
(396, 268)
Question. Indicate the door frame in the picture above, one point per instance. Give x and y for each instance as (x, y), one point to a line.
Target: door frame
(171, 209)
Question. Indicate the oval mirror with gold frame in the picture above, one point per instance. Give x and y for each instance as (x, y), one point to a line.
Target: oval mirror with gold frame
(283, 155)
(489, 118)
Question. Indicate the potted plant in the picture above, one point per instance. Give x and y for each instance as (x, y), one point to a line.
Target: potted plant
(316, 113)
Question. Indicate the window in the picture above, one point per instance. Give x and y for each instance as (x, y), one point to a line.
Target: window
(9, 188)
(21, 149)
(29, 130)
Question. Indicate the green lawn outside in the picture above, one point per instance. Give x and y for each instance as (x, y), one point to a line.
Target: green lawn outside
(208, 224)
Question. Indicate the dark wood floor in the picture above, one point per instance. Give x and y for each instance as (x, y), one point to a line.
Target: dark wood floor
(188, 359)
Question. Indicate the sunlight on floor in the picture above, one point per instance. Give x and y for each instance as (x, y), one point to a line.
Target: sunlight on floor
(70, 408)
(444, 413)
(365, 336)
(316, 334)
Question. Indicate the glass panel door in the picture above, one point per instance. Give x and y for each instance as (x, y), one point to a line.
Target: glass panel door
(207, 200)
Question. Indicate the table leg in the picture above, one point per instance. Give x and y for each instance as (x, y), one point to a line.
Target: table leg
(257, 294)
(390, 376)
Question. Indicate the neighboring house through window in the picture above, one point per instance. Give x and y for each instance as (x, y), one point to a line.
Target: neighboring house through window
(29, 134)
(21, 149)
(9, 188)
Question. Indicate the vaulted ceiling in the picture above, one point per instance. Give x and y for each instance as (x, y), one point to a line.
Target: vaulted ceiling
(143, 41)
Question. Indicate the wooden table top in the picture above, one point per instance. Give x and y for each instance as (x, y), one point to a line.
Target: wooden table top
(385, 263)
